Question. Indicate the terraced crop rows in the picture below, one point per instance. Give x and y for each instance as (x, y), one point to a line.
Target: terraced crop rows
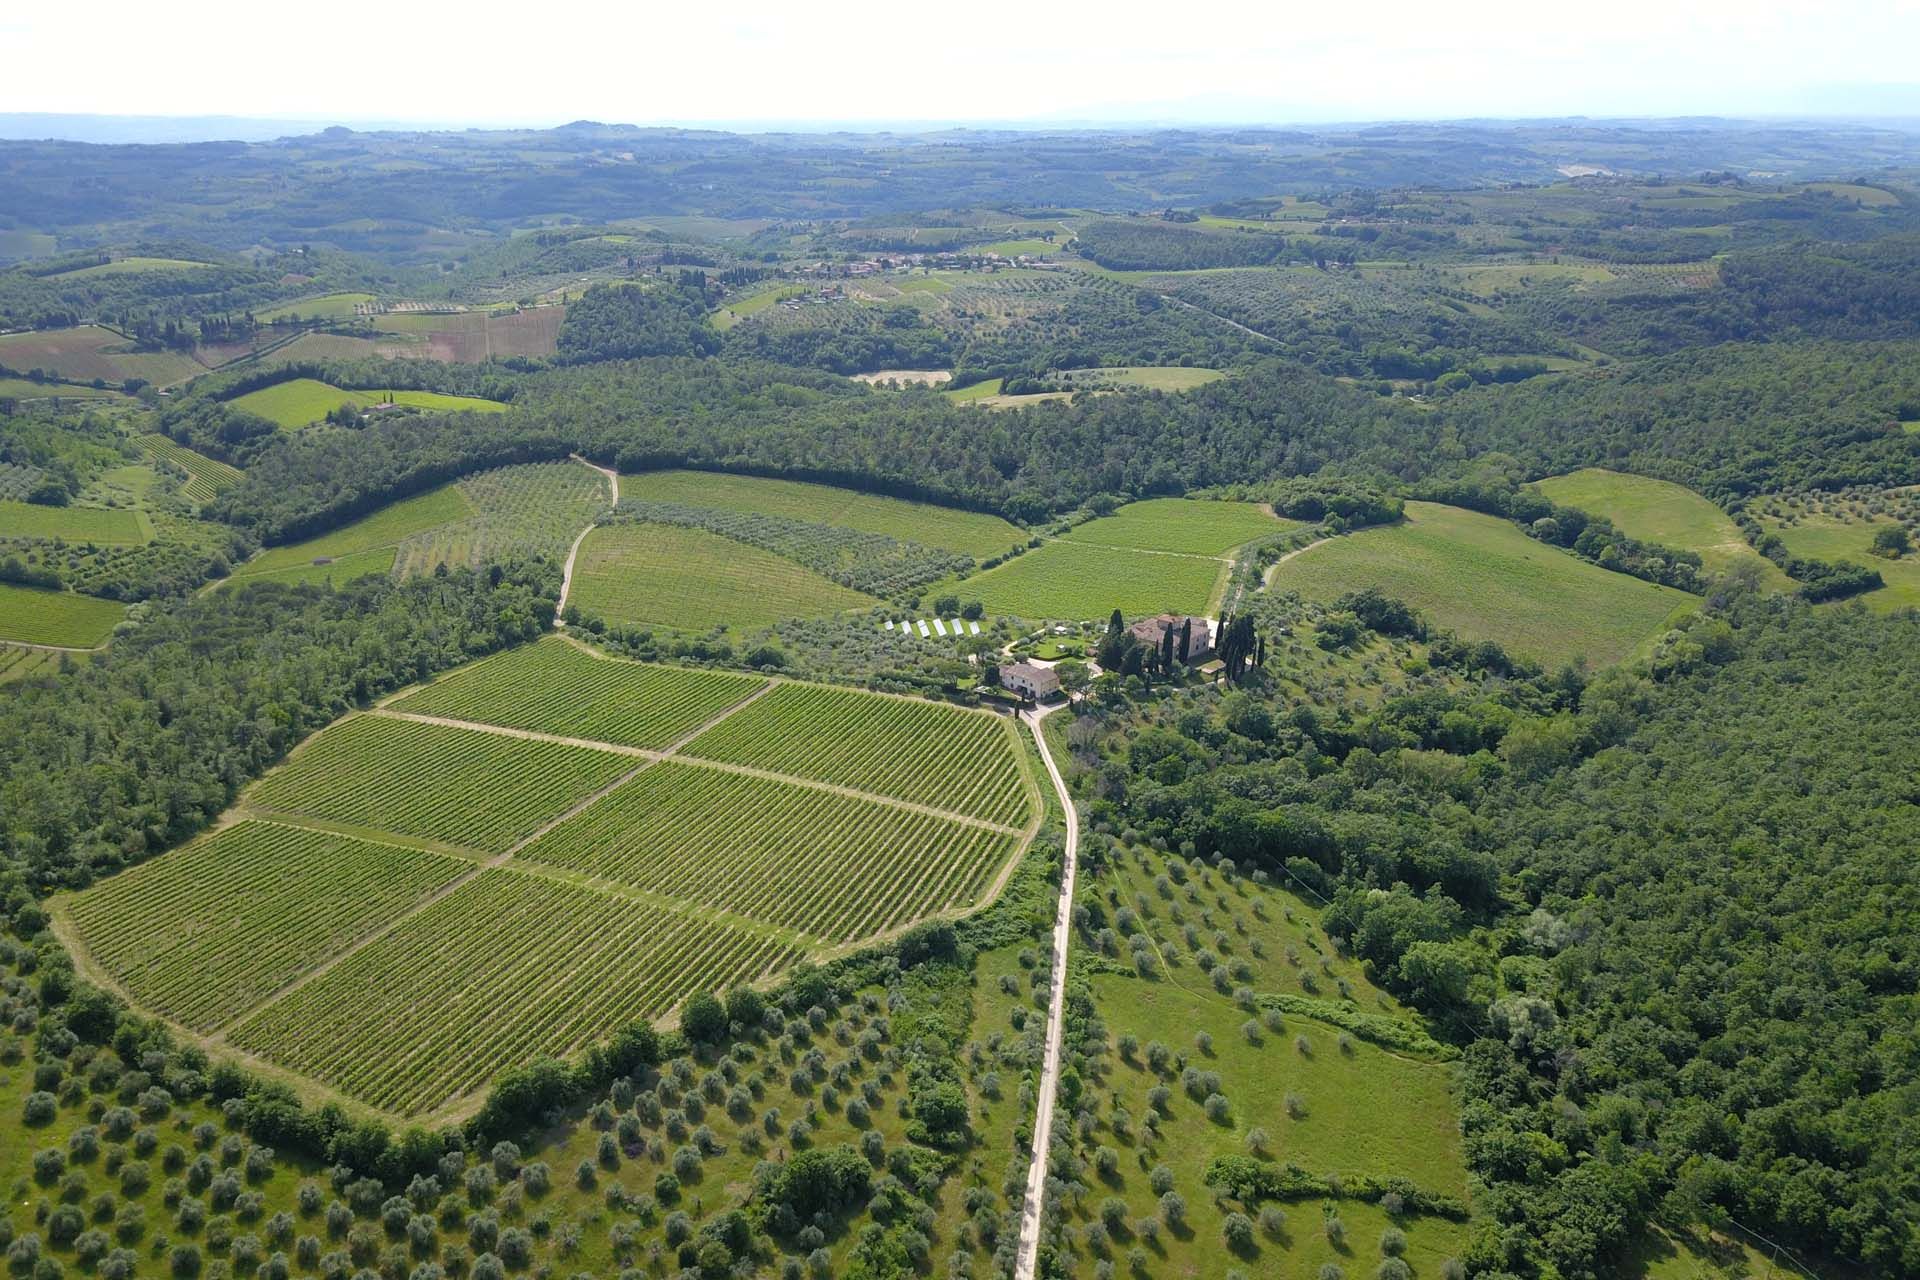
(554, 687)
(212, 929)
(961, 761)
(207, 478)
(506, 968)
(466, 786)
(833, 866)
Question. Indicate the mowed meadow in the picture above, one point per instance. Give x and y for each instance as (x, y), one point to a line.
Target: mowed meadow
(298, 402)
(1662, 512)
(1482, 578)
(598, 837)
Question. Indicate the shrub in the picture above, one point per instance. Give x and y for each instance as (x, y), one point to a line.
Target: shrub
(1237, 1231)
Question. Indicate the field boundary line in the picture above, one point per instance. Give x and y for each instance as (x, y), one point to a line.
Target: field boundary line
(1266, 579)
(673, 748)
(1145, 551)
(308, 1088)
(700, 913)
(459, 882)
(851, 793)
(566, 570)
(52, 648)
(507, 731)
(369, 835)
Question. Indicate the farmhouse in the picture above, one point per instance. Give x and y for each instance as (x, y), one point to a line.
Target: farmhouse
(1029, 680)
(1148, 631)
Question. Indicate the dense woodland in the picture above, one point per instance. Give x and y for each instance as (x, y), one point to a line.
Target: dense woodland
(1656, 908)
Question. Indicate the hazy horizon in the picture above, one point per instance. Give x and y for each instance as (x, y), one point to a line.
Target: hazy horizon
(868, 65)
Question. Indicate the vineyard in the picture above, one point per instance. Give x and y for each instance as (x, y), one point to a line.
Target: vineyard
(468, 787)
(1078, 581)
(969, 533)
(1181, 525)
(31, 615)
(507, 968)
(405, 970)
(691, 580)
(870, 562)
(73, 524)
(834, 866)
(227, 921)
(944, 757)
(534, 509)
(555, 687)
(207, 478)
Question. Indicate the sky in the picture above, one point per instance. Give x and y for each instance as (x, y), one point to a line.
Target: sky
(759, 64)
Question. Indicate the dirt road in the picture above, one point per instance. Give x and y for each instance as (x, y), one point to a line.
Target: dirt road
(1028, 1256)
(566, 572)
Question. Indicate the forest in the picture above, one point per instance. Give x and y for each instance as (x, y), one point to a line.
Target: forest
(1648, 904)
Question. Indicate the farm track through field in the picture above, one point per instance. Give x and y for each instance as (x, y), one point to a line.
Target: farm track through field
(722, 766)
(1267, 578)
(566, 570)
(1034, 1199)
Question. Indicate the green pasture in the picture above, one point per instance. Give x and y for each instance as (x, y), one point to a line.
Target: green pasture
(133, 266)
(1827, 537)
(300, 401)
(326, 306)
(1484, 579)
(1663, 512)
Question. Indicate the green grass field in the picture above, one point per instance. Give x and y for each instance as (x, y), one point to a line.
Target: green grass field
(30, 615)
(385, 528)
(970, 533)
(691, 580)
(1184, 525)
(833, 866)
(1077, 581)
(339, 570)
(27, 389)
(212, 929)
(301, 401)
(18, 662)
(956, 760)
(1663, 512)
(133, 266)
(732, 313)
(1826, 537)
(331, 306)
(985, 389)
(118, 528)
(1150, 377)
(1481, 577)
(1297, 1089)
(467, 787)
(557, 687)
